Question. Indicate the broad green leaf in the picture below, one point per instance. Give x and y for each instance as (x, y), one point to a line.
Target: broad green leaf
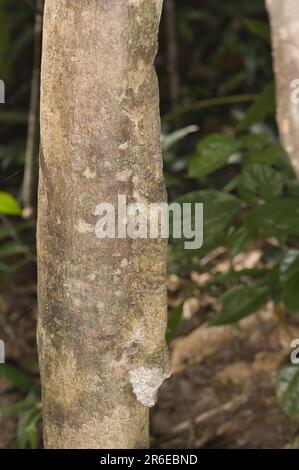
(16, 377)
(173, 322)
(33, 428)
(259, 28)
(239, 302)
(171, 181)
(290, 295)
(260, 181)
(212, 153)
(9, 205)
(277, 218)
(11, 248)
(293, 187)
(261, 108)
(267, 156)
(238, 240)
(254, 141)
(6, 230)
(287, 390)
(232, 184)
(24, 405)
(22, 434)
(219, 208)
(289, 265)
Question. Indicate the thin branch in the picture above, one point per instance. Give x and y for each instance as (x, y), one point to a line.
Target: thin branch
(172, 54)
(218, 101)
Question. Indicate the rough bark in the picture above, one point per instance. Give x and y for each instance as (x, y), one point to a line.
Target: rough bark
(284, 19)
(102, 302)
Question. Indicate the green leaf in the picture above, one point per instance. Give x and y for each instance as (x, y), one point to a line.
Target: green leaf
(22, 435)
(28, 431)
(238, 240)
(212, 153)
(289, 265)
(287, 390)
(239, 302)
(293, 187)
(259, 28)
(261, 108)
(260, 181)
(173, 322)
(290, 294)
(219, 208)
(21, 406)
(14, 376)
(33, 429)
(277, 218)
(7, 230)
(9, 205)
(254, 141)
(171, 181)
(12, 248)
(268, 156)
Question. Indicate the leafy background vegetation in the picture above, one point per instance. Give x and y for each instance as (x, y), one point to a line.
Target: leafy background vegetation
(221, 147)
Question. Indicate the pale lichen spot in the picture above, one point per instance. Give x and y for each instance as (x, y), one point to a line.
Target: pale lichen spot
(285, 126)
(289, 148)
(283, 33)
(123, 176)
(135, 3)
(146, 383)
(118, 293)
(84, 227)
(123, 146)
(139, 198)
(124, 263)
(100, 306)
(89, 174)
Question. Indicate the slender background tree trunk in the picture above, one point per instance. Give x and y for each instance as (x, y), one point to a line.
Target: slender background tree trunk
(102, 303)
(33, 133)
(284, 19)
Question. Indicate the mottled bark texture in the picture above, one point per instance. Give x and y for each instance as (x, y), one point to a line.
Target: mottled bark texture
(102, 302)
(284, 19)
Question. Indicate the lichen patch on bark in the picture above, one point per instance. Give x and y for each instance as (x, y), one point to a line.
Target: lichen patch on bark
(146, 383)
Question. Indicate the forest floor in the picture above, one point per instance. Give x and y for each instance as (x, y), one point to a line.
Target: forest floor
(222, 390)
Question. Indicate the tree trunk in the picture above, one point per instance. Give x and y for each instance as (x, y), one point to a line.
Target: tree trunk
(33, 132)
(102, 302)
(284, 18)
